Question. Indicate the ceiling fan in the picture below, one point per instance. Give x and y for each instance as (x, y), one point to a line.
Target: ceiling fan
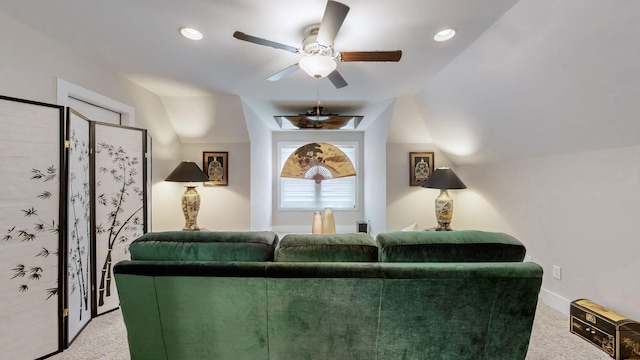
(320, 58)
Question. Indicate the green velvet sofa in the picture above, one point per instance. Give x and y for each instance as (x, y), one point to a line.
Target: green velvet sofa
(405, 295)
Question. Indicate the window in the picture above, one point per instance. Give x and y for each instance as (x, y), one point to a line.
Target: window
(296, 194)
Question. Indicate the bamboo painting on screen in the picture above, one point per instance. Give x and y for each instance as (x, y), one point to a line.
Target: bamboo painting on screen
(79, 204)
(119, 162)
(30, 186)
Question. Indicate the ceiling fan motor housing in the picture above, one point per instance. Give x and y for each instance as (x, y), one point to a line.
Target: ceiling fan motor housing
(310, 45)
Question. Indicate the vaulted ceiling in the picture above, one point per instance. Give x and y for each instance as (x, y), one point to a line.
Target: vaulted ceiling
(550, 77)
(521, 78)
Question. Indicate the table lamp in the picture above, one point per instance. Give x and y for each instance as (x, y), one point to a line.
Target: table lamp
(444, 179)
(189, 172)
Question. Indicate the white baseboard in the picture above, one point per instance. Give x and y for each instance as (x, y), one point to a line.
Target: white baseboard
(555, 301)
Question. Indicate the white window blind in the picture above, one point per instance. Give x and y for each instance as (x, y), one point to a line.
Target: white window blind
(307, 194)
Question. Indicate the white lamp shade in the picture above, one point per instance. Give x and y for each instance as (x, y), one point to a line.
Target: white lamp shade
(318, 66)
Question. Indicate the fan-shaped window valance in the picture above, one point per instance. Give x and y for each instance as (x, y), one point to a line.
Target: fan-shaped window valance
(318, 161)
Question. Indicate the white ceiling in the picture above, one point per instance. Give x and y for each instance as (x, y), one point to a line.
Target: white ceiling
(140, 38)
(550, 77)
(522, 78)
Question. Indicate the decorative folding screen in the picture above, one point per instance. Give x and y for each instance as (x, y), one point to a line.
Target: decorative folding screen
(79, 204)
(119, 196)
(72, 197)
(30, 268)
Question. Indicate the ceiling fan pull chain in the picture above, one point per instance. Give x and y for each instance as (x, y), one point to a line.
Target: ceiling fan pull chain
(318, 97)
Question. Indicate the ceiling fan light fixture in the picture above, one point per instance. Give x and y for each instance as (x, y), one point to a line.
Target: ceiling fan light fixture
(190, 33)
(316, 119)
(318, 66)
(445, 34)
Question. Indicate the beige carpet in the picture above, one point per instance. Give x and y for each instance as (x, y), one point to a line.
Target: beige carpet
(552, 340)
(105, 339)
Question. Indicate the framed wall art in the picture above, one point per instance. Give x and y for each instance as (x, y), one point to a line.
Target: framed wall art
(216, 166)
(420, 167)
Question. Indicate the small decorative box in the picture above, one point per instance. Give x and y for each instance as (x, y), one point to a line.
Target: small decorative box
(611, 332)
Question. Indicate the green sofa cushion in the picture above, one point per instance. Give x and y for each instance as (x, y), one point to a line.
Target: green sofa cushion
(205, 246)
(449, 246)
(356, 247)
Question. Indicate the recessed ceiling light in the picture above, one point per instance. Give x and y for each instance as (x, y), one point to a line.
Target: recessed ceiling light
(444, 35)
(190, 33)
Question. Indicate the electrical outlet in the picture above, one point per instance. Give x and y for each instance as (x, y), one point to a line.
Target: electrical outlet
(557, 272)
(528, 258)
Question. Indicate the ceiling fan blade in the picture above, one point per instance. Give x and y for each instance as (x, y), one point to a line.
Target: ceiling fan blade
(332, 20)
(284, 72)
(337, 80)
(371, 56)
(256, 40)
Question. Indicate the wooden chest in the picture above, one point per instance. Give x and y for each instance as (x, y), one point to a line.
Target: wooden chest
(611, 332)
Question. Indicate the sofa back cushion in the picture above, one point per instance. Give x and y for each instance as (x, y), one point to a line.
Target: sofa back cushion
(320, 310)
(205, 246)
(449, 246)
(356, 247)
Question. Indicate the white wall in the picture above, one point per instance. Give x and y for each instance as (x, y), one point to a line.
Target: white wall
(30, 64)
(413, 204)
(375, 169)
(221, 207)
(407, 123)
(262, 168)
(214, 118)
(211, 123)
(578, 211)
(406, 204)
